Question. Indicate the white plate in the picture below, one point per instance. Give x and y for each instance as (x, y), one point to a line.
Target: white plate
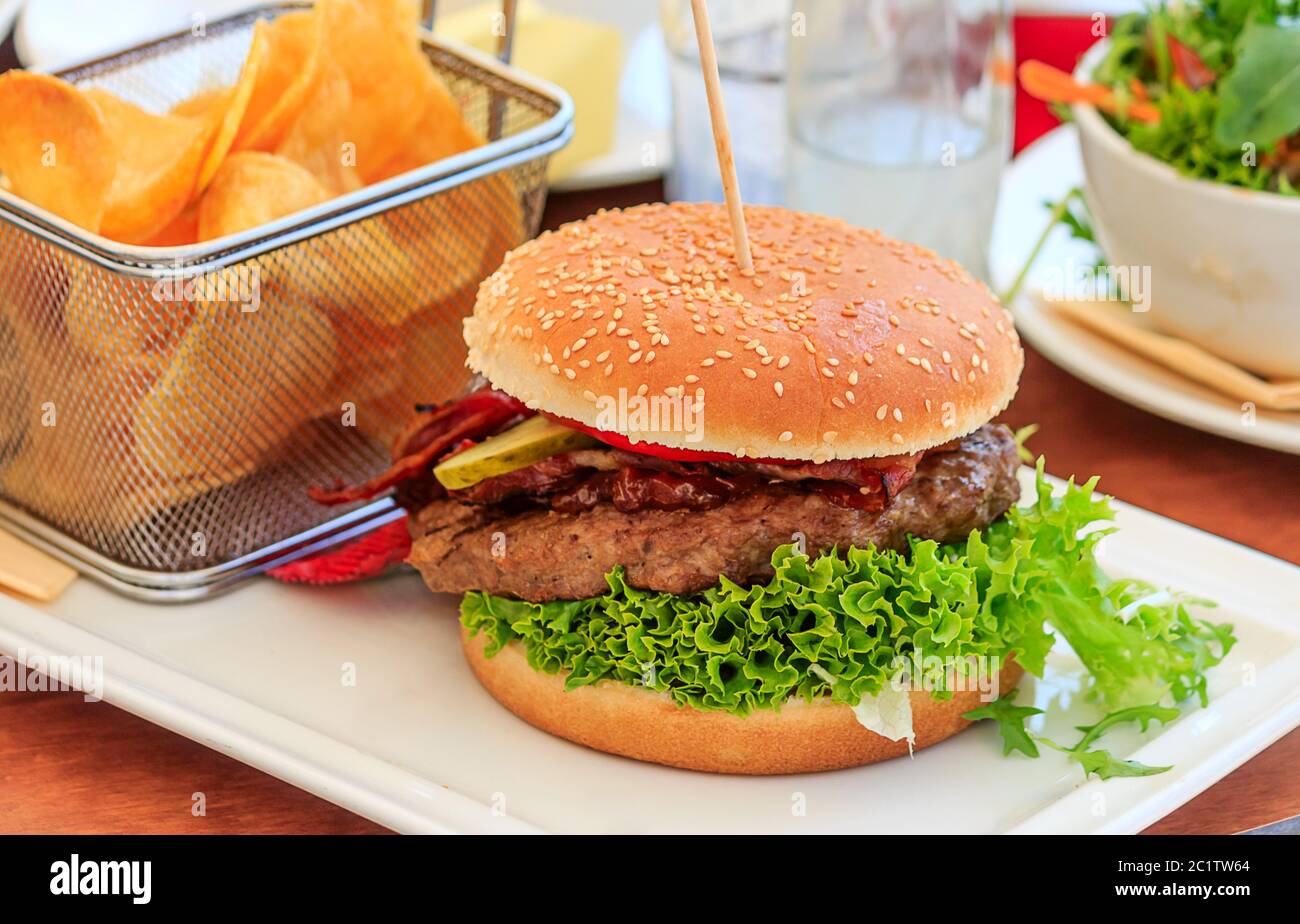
(418, 745)
(1046, 170)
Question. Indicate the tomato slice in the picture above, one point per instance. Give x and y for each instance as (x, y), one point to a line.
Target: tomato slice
(671, 453)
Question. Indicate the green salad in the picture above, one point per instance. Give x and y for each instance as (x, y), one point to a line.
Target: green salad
(1225, 78)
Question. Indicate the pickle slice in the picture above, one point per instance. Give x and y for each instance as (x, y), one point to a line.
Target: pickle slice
(523, 444)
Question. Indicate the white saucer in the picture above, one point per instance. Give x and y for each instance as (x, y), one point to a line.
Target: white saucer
(1046, 170)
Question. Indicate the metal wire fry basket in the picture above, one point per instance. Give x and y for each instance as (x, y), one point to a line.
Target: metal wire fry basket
(164, 410)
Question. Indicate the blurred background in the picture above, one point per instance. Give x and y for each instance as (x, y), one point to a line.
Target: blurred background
(860, 117)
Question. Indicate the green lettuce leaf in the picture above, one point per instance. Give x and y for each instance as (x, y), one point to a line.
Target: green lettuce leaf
(1011, 723)
(862, 613)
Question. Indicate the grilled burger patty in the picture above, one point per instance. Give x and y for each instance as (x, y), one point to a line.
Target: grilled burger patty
(538, 554)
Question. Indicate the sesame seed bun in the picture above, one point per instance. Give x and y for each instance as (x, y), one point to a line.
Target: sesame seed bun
(841, 343)
(800, 737)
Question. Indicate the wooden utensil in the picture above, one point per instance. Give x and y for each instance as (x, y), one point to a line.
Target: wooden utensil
(721, 134)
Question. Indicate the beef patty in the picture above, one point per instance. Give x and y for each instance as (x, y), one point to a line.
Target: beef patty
(538, 554)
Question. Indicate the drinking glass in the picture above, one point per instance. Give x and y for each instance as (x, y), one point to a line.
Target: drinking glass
(750, 37)
(899, 117)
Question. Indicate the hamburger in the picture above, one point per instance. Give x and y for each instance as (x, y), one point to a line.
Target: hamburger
(748, 521)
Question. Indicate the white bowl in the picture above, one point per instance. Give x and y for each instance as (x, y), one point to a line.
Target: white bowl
(1223, 260)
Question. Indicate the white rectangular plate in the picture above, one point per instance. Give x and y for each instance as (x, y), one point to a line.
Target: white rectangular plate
(417, 745)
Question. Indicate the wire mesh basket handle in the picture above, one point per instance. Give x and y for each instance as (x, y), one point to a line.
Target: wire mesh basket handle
(505, 41)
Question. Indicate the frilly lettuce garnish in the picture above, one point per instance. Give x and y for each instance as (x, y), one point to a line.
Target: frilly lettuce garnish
(1005, 591)
(1094, 761)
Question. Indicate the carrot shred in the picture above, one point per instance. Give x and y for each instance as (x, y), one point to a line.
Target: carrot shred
(1053, 85)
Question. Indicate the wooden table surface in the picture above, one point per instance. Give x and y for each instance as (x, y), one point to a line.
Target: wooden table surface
(71, 766)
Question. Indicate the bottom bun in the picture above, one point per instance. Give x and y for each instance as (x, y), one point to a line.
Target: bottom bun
(801, 737)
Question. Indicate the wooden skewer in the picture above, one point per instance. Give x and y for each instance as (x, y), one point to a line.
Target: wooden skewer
(721, 134)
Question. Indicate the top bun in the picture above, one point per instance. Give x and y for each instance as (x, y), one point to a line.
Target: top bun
(841, 343)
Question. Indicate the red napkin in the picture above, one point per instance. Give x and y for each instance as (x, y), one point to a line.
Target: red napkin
(354, 560)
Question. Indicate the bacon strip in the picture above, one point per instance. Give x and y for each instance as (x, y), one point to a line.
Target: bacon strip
(417, 463)
(578, 480)
(894, 471)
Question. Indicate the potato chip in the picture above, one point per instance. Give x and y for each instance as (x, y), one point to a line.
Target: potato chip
(79, 457)
(55, 148)
(121, 319)
(316, 139)
(184, 229)
(203, 103)
(253, 188)
(159, 157)
(290, 63)
(238, 384)
(232, 105)
(488, 219)
(388, 99)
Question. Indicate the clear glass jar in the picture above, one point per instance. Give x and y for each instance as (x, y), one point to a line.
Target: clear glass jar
(899, 117)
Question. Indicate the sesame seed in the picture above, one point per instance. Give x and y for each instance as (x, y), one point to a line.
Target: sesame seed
(882, 411)
(786, 436)
(898, 414)
(897, 437)
(749, 373)
(778, 388)
(829, 436)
